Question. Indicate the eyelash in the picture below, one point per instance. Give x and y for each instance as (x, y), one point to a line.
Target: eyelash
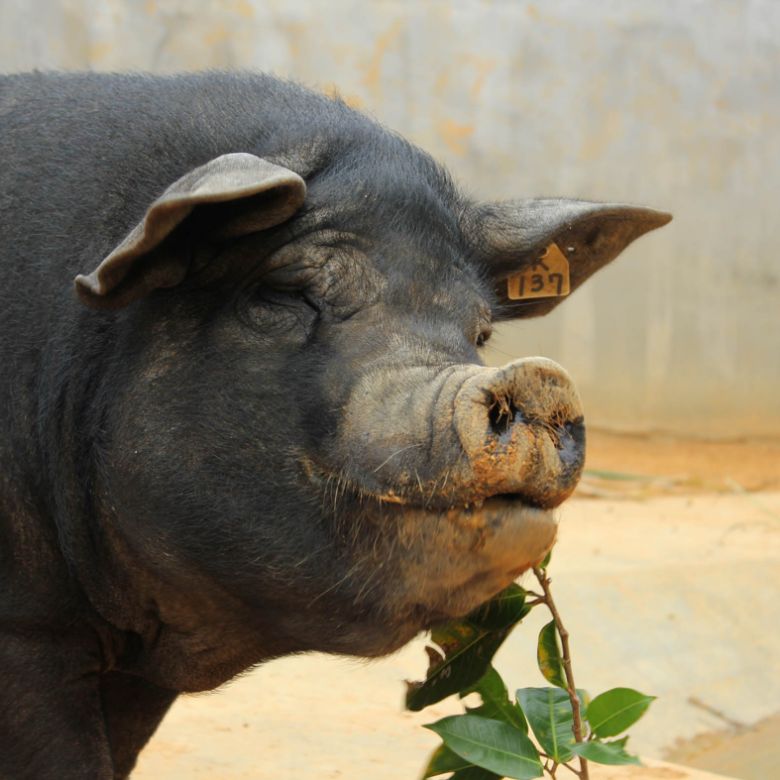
(312, 303)
(283, 297)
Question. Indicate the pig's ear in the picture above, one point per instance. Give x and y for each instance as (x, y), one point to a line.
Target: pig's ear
(528, 246)
(254, 194)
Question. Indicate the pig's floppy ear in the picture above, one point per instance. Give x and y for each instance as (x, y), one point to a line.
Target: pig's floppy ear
(538, 251)
(149, 257)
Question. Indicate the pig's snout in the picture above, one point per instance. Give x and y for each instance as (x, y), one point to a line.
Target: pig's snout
(521, 428)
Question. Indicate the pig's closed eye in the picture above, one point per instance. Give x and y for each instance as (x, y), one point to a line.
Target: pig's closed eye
(290, 297)
(280, 311)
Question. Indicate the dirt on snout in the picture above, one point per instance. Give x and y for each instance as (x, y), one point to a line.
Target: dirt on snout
(666, 571)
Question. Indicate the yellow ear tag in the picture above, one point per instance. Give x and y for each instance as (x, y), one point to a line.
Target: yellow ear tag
(548, 277)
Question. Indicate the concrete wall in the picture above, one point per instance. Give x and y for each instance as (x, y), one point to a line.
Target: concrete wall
(674, 103)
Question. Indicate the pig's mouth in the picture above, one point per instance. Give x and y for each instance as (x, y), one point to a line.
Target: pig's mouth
(445, 559)
(468, 554)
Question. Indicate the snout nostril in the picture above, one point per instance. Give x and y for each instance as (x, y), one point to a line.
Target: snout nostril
(502, 413)
(571, 442)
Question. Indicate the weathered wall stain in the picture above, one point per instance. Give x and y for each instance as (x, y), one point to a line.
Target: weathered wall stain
(483, 66)
(643, 102)
(455, 135)
(373, 76)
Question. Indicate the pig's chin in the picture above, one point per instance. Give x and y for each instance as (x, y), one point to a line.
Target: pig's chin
(449, 561)
(470, 554)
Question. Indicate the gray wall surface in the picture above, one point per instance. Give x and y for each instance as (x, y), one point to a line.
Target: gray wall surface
(671, 103)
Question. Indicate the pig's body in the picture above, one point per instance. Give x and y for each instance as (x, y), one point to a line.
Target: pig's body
(262, 441)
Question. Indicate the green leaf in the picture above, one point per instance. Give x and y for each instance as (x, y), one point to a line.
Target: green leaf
(444, 760)
(468, 646)
(546, 562)
(474, 773)
(491, 745)
(548, 711)
(502, 611)
(603, 753)
(548, 655)
(495, 701)
(612, 712)
(468, 652)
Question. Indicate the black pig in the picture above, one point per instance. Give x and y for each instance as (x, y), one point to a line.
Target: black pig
(261, 424)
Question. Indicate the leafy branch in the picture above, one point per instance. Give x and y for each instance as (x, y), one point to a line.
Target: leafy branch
(542, 729)
(571, 689)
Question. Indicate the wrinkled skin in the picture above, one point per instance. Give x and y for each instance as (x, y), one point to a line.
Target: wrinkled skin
(268, 430)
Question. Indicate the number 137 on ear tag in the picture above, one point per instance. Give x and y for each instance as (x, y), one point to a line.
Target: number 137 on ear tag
(548, 277)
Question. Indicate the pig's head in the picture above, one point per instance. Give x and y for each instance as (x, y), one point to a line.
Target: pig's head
(297, 412)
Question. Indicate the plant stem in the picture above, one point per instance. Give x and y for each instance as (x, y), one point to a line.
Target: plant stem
(544, 581)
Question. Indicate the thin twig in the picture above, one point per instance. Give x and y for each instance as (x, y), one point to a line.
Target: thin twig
(544, 581)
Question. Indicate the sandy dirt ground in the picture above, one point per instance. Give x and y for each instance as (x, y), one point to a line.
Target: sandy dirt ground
(666, 571)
